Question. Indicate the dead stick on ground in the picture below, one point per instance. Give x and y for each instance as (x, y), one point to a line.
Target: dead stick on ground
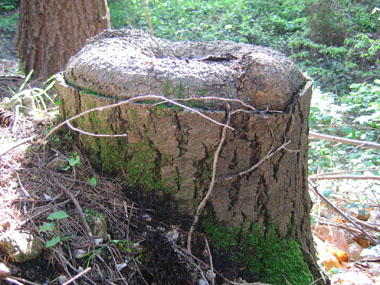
(77, 276)
(18, 280)
(211, 263)
(343, 140)
(344, 172)
(211, 187)
(331, 205)
(339, 177)
(76, 203)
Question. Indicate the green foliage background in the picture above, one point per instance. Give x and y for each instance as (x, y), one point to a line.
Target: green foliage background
(336, 41)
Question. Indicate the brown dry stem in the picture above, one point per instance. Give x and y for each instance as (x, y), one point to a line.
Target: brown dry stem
(202, 204)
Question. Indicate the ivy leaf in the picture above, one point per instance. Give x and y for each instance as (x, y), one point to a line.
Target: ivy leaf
(66, 168)
(57, 216)
(47, 227)
(52, 242)
(93, 181)
(75, 161)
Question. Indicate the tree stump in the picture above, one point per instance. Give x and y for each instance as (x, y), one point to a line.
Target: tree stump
(260, 202)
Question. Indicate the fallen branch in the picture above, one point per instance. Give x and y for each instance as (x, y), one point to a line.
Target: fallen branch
(343, 140)
(76, 203)
(344, 226)
(202, 204)
(77, 276)
(340, 212)
(19, 281)
(346, 171)
(339, 177)
(210, 259)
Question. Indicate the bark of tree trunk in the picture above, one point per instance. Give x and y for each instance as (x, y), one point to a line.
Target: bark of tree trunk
(50, 31)
(170, 150)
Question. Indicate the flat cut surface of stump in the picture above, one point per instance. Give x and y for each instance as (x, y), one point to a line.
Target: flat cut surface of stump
(128, 63)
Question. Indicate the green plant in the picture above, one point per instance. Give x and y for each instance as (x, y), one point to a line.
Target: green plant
(73, 161)
(8, 5)
(33, 101)
(54, 227)
(126, 247)
(354, 115)
(92, 181)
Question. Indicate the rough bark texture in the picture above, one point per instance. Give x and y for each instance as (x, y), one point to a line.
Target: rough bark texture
(50, 31)
(170, 150)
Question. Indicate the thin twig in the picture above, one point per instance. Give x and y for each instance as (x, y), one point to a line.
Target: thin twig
(344, 172)
(14, 281)
(77, 276)
(92, 134)
(22, 187)
(190, 260)
(76, 203)
(331, 205)
(211, 263)
(340, 177)
(267, 156)
(343, 140)
(202, 204)
(24, 281)
(128, 101)
(209, 98)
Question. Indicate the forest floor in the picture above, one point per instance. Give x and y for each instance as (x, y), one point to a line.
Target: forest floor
(32, 186)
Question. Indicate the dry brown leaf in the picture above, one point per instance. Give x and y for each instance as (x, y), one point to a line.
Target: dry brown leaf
(333, 236)
(362, 242)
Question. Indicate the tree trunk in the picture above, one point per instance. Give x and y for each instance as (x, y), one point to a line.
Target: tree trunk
(50, 31)
(259, 211)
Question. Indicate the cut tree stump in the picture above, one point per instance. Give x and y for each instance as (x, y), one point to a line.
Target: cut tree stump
(169, 150)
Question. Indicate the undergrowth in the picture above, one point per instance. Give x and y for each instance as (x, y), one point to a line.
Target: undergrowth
(336, 41)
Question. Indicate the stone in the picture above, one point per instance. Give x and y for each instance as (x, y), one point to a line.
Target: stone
(21, 246)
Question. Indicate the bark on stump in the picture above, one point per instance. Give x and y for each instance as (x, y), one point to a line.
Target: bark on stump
(170, 150)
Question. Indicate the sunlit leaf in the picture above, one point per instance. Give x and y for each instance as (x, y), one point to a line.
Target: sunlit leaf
(57, 215)
(47, 227)
(52, 242)
(93, 181)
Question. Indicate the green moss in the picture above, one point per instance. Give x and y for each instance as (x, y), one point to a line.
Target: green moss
(141, 167)
(275, 260)
(140, 161)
